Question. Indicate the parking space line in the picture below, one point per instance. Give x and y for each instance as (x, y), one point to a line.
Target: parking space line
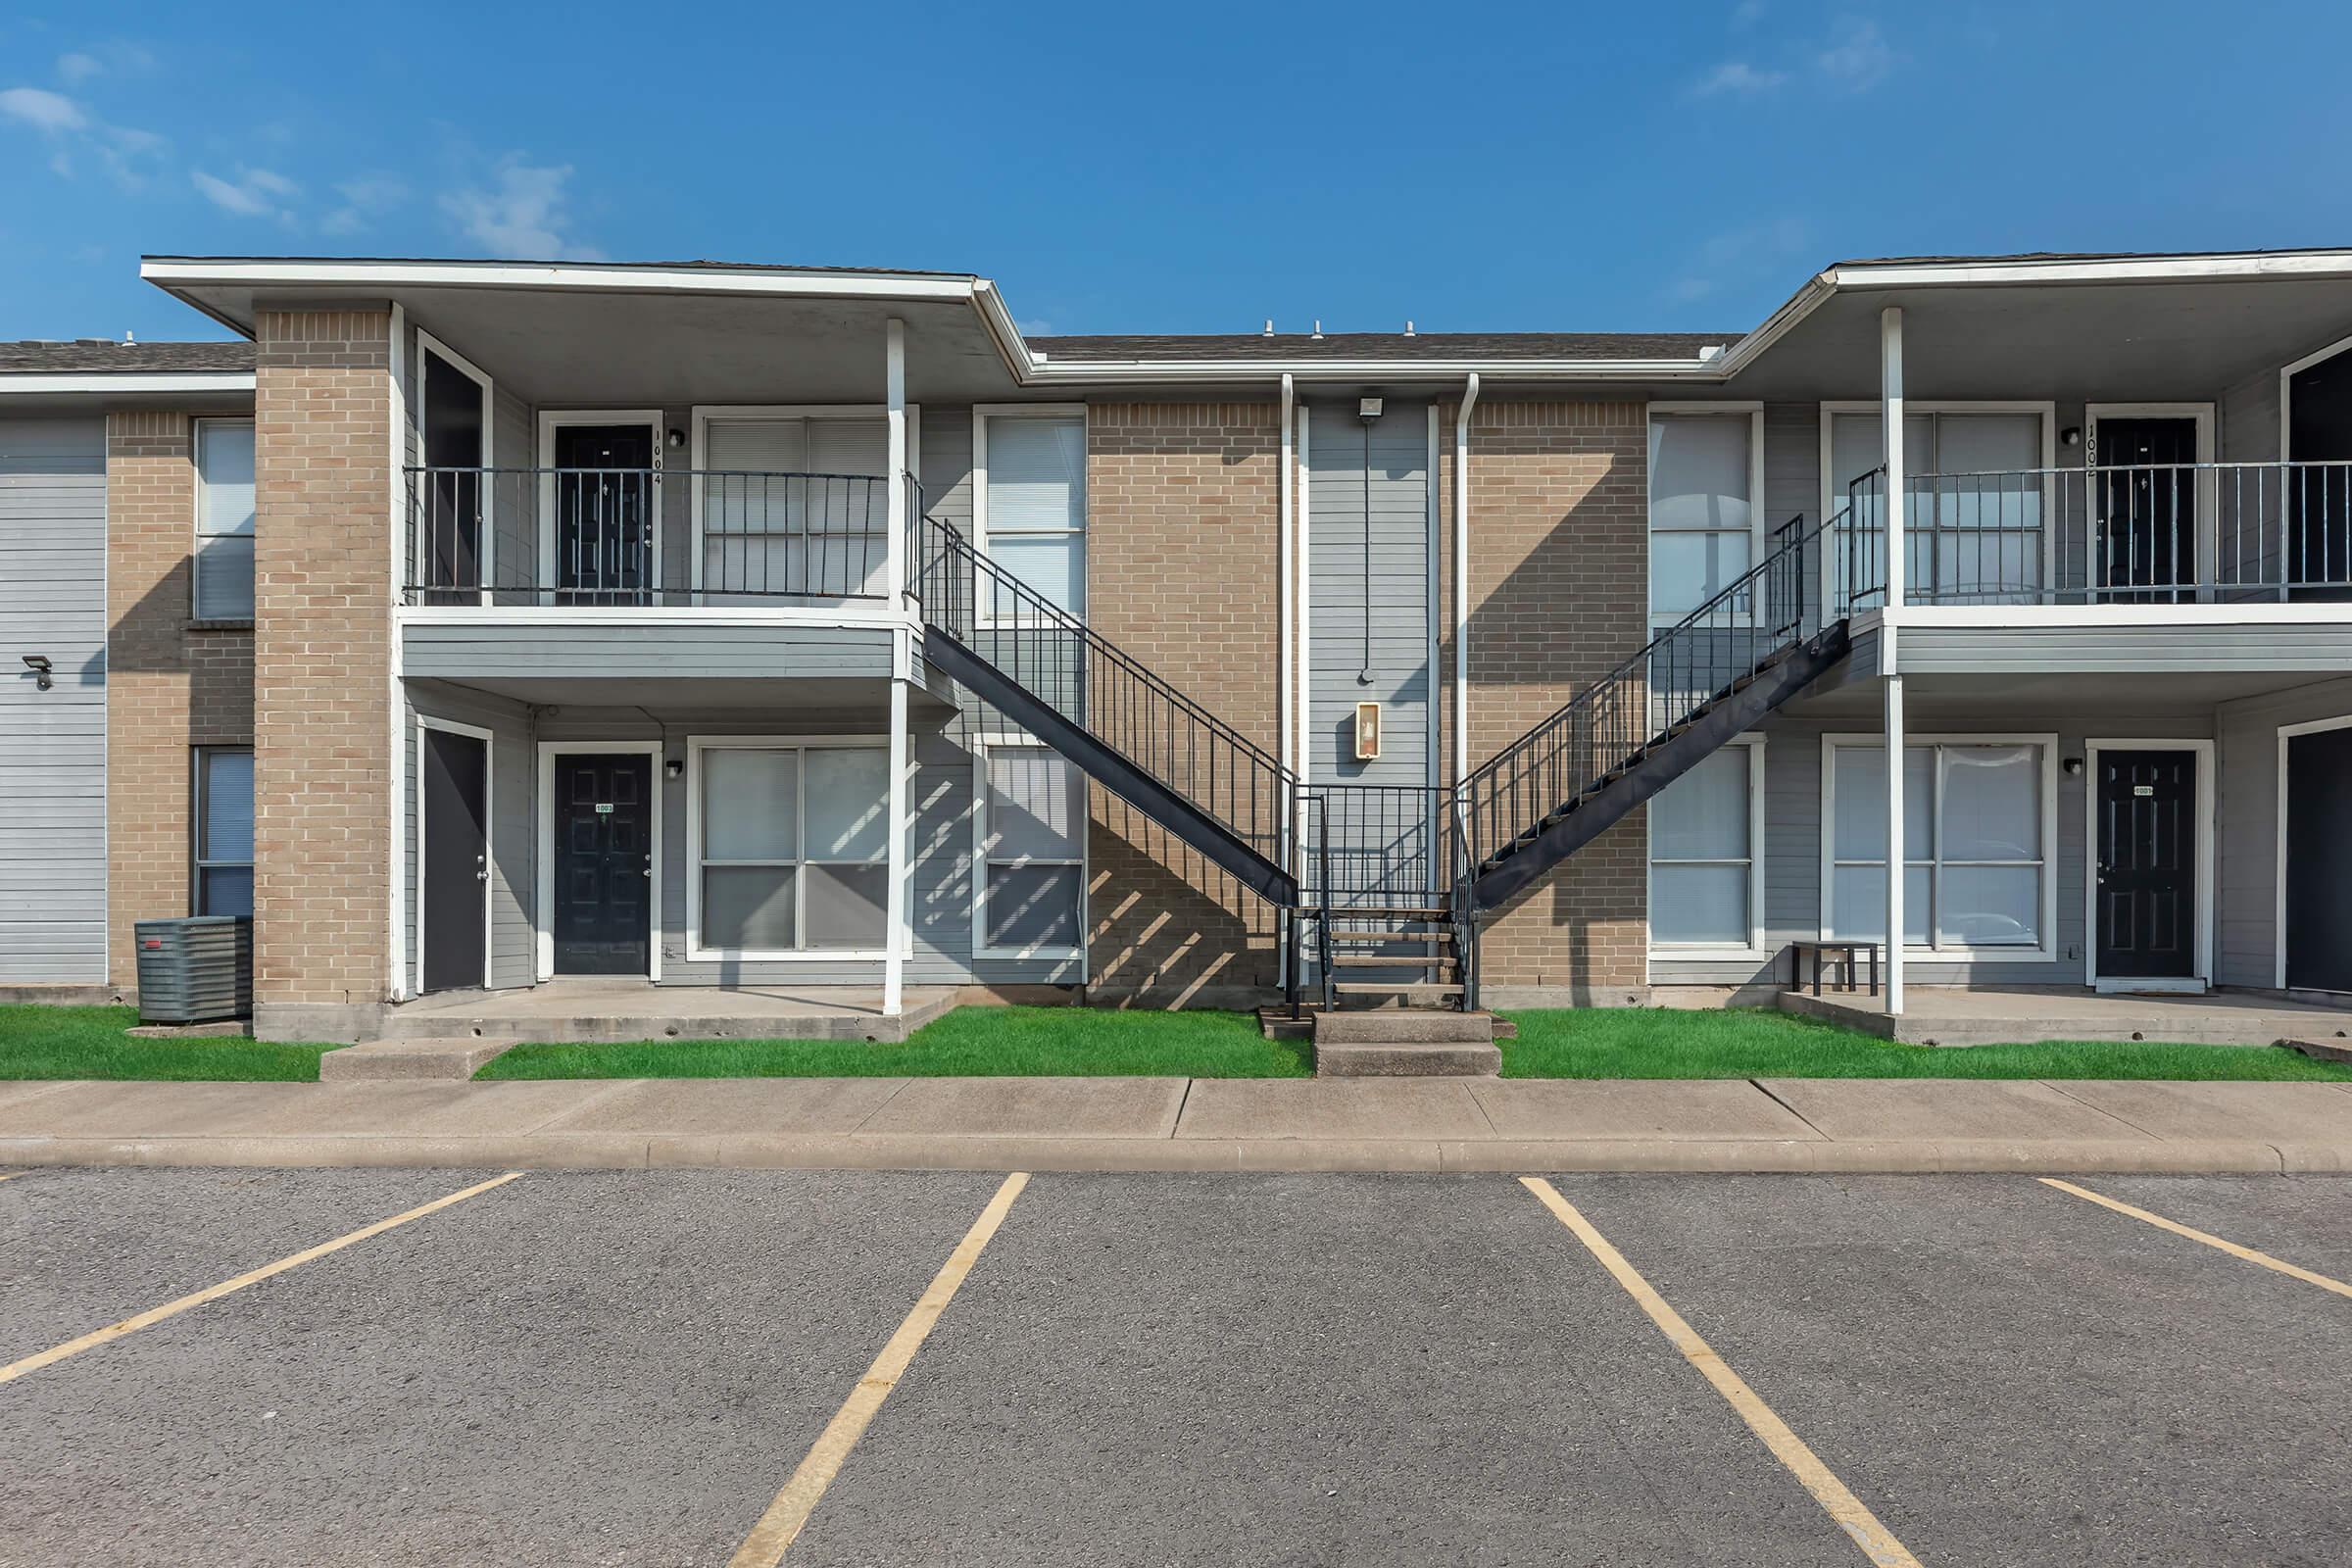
(2264, 1259)
(213, 1292)
(782, 1523)
(1877, 1543)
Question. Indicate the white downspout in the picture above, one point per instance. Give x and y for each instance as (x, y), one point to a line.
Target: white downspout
(1891, 425)
(896, 943)
(1461, 580)
(1283, 651)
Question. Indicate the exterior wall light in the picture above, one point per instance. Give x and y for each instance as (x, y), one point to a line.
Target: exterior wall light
(38, 664)
(674, 768)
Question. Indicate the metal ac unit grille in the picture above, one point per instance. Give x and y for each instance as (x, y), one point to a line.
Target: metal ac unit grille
(195, 970)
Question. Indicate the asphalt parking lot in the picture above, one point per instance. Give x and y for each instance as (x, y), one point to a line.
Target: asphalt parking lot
(705, 1367)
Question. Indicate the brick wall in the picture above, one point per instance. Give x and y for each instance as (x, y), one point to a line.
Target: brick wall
(1559, 571)
(323, 592)
(1182, 551)
(172, 684)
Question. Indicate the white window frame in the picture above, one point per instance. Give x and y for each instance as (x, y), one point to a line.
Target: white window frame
(981, 862)
(698, 444)
(982, 412)
(1757, 530)
(2047, 950)
(199, 787)
(696, 747)
(196, 431)
(1832, 499)
(489, 835)
(2286, 733)
(1755, 948)
(543, 919)
(2206, 809)
(426, 343)
(551, 420)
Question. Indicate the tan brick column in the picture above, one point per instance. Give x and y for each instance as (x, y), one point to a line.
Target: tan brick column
(1182, 555)
(1559, 584)
(172, 683)
(323, 595)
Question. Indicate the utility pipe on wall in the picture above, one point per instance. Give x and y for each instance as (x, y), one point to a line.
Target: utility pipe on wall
(1461, 580)
(1283, 651)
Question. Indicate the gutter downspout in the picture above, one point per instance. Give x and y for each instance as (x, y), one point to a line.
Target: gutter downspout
(1461, 580)
(1282, 650)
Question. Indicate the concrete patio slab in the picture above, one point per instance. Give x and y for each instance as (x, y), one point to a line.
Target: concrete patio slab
(1031, 1108)
(1944, 1110)
(1953, 1016)
(2185, 1110)
(1332, 1109)
(587, 1008)
(711, 1108)
(1710, 1108)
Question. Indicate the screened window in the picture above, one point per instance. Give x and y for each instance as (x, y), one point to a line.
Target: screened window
(1974, 526)
(1703, 857)
(1701, 509)
(1033, 850)
(796, 506)
(793, 847)
(223, 519)
(1035, 508)
(1974, 845)
(224, 868)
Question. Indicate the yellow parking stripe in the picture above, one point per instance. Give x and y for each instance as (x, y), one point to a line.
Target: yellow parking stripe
(2278, 1265)
(213, 1292)
(1877, 1543)
(781, 1524)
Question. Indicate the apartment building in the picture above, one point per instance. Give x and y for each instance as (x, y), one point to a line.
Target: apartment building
(702, 625)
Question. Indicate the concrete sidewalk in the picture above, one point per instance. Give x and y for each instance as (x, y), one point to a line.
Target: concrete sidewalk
(1821, 1124)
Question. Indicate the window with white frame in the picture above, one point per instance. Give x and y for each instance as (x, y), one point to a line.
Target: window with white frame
(222, 880)
(1032, 851)
(223, 586)
(1032, 500)
(1976, 857)
(1702, 507)
(1703, 853)
(795, 503)
(1974, 522)
(791, 847)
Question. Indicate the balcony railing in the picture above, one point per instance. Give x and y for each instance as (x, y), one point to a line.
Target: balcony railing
(2146, 533)
(648, 537)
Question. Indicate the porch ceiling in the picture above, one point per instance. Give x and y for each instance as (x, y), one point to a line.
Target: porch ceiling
(2170, 341)
(2086, 696)
(677, 694)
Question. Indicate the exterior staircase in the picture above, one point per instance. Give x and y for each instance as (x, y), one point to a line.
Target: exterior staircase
(1382, 889)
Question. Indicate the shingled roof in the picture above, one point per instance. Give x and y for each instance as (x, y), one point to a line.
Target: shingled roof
(1384, 346)
(97, 354)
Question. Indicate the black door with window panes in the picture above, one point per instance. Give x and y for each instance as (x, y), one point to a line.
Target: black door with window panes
(603, 871)
(2146, 891)
(2146, 492)
(453, 420)
(604, 501)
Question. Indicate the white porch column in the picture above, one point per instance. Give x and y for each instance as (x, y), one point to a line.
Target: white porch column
(894, 934)
(1890, 426)
(894, 383)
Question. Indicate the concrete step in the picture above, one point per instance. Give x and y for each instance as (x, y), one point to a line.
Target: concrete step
(1391, 1025)
(406, 1060)
(1432, 1059)
(1426, 994)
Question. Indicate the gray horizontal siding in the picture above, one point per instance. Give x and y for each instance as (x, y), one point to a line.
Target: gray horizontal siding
(2246, 936)
(2182, 645)
(53, 743)
(583, 649)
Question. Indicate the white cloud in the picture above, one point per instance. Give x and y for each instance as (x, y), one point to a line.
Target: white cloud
(364, 200)
(1860, 58)
(255, 193)
(1747, 13)
(521, 215)
(1035, 326)
(1737, 77)
(77, 67)
(50, 112)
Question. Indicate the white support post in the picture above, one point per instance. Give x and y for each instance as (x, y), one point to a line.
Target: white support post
(897, 938)
(1898, 852)
(1891, 433)
(893, 382)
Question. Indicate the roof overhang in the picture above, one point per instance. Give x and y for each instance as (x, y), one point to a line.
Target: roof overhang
(24, 390)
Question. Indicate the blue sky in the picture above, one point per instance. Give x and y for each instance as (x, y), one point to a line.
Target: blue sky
(1115, 168)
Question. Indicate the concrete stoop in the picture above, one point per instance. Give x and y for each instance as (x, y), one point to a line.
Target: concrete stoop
(409, 1060)
(1406, 1043)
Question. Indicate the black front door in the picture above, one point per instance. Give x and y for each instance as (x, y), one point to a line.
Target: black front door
(2147, 497)
(2319, 861)
(2317, 516)
(604, 864)
(455, 859)
(2147, 865)
(605, 499)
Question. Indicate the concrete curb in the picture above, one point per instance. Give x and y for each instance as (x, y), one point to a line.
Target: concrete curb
(557, 1151)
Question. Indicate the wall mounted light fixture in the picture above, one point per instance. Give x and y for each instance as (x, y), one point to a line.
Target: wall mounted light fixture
(38, 664)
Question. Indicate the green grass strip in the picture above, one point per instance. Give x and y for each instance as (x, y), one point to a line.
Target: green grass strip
(39, 1041)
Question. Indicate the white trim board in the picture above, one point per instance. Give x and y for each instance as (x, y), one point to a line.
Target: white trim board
(2208, 815)
(552, 419)
(1757, 947)
(2286, 733)
(489, 838)
(543, 920)
(696, 746)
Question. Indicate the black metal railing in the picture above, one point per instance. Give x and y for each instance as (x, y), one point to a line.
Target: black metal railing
(2130, 533)
(1617, 719)
(647, 536)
